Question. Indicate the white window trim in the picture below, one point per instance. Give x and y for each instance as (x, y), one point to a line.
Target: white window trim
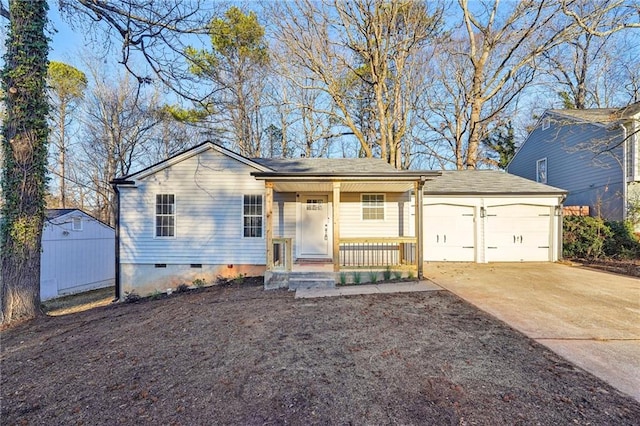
(546, 170)
(262, 236)
(384, 207)
(175, 216)
(73, 223)
(546, 123)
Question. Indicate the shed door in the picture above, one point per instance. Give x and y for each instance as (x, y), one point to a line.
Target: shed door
(518, 233)
(314, 227)
(449, 233)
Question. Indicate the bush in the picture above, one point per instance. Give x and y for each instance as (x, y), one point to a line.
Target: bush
(584, 236)
(623, 242)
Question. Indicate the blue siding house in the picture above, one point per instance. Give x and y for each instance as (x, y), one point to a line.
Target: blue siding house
(593, 154)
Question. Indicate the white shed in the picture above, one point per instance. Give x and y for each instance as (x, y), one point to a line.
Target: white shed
(78, 253)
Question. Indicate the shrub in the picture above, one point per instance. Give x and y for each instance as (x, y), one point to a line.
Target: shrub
(397, 275)
(199, 282)
(623, 242)
(343, 278)
(182, 288)
(584, 236)
(373, 276)
(157, 294)
(387, 274)
(357, 277)
(410, 275)
(131, 297)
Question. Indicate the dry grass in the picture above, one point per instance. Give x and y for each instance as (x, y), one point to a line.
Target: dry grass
(78, 302)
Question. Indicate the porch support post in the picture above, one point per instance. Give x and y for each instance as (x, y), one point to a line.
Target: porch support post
(269, 223)
(418, 187)
(336, 226)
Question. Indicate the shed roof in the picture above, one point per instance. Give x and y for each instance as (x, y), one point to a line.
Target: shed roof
(486, 182)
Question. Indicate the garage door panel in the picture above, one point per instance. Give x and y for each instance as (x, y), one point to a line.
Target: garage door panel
(449, 233)
(518, 233)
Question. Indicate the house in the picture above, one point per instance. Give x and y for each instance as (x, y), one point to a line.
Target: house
(593, 154)
(210, 212)
(77, 253)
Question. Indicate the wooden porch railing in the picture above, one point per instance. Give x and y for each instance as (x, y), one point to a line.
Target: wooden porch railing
(378, 252)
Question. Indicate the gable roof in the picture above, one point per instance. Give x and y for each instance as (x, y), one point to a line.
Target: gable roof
(326, 165)
(50, 214)
(181, 156)
(473, 182)
(599, 115)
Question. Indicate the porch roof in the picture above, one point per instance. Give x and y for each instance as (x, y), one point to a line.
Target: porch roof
(382, 181)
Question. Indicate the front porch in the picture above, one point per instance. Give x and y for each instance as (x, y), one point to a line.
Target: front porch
(323, 229)
(361, 260)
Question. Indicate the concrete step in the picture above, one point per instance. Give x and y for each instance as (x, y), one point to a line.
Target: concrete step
(296, 283)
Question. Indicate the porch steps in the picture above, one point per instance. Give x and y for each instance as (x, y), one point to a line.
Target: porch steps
(295, 280)
(307, 280)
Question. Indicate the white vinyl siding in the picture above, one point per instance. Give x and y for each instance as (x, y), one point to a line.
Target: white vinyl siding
(209, 188)
(252, 216)
(372, 206)
(394, 224)
(165, 215)
(72, 262)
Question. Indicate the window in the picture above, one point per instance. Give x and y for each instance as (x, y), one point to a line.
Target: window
(76, 224)
(546, 123)
(541, 170)
(165, 215)
(372, 206)
(252, 216)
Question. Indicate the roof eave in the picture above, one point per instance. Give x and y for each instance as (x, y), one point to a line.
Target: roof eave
(393, 176)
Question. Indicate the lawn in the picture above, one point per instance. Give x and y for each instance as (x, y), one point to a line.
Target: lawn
(241, 355)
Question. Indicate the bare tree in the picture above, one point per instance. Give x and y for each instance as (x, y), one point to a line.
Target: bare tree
(119, 125)
(356, 47)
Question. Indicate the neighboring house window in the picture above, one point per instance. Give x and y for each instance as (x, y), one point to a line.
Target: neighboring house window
(372, 206)
(541, 170)
(252, 216)
(546, 123)
(165, 215)
(76, 224)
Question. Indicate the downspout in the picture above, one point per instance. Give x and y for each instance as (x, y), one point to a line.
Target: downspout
(625, 172)
(117, 242)
(420, 230)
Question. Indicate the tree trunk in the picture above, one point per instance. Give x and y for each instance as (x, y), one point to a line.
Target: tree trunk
(24, 146)
(63, 157)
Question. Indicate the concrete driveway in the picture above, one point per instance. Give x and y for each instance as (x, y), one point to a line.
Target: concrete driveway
(590, 318)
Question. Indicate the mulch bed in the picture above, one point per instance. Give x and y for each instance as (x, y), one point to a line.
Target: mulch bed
(623, 267)
(237, 354)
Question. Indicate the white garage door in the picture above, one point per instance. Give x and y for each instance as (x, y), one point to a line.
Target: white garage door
(518, 233)
(449, 233)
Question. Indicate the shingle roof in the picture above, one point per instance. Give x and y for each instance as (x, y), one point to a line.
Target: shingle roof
(485, 182)
(53, 213)
(326, 165)
(599, 115)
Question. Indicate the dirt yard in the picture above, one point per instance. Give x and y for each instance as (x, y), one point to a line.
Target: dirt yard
(240, 355)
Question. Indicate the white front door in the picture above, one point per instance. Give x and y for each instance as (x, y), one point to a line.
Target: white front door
(313, 228)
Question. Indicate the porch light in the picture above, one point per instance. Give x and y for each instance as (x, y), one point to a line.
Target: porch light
(558, 210)
(483, 212)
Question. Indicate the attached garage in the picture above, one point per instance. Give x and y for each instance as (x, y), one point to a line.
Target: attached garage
(519, 233)
(450, 233)
(490, 216)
